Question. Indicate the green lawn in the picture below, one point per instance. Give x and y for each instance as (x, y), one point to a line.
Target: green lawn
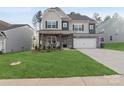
(51, 64)
(115, 46)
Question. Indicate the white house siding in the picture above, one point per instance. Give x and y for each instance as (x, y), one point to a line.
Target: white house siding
(51, 16)
(80, 22)
(19, 39)
(2, 43)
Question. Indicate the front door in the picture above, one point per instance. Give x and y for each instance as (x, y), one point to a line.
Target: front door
(64, 42)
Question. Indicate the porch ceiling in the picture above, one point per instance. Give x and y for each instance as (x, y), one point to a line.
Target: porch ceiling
(85, 35)
(55, 32)
(75, 34)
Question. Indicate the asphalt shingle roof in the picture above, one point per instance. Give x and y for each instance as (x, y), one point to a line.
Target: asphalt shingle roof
(77, 16)
(59, 11)
(12, 26)
(6, 26)
(3, 24)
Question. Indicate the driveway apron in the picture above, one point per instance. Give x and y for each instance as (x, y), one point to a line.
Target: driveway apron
(110, 58)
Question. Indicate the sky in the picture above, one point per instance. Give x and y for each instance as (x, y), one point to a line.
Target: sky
(24, 15)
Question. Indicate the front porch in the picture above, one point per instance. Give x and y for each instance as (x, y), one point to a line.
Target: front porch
(51, 40)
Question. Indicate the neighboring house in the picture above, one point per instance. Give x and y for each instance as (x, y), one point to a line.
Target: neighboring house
(67, 30)
(112, 30)
(15, 37)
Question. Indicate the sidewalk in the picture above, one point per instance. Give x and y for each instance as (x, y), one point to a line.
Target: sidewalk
(113, 80)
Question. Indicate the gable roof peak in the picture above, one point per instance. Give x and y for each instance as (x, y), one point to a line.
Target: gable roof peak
(58, 10)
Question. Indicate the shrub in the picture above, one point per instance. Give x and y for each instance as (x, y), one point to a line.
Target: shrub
(1, 52)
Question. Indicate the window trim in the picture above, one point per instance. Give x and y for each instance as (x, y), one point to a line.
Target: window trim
(80, 27)
(65, 27)
(91, 25)
(51, 24)
(64, 23)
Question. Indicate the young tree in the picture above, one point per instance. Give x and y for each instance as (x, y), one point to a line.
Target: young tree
(107, 18)
(97, 18)
(37, 19)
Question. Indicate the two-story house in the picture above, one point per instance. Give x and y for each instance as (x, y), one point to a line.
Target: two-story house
(67, 30)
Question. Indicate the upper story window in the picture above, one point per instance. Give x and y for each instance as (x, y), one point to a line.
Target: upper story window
(52, 24)
(91, 27)
(65, 25)
(78, 27)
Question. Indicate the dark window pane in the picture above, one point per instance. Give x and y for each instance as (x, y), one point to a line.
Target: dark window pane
(102, 39)
(91, 27)
(56, 24)
(110, 38)
(48, 26)
(82, 27)
(53, 26)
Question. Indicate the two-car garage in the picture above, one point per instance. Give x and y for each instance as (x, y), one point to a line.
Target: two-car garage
(84, 42)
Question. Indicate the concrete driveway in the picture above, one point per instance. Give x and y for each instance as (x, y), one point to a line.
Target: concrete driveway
(111, 58)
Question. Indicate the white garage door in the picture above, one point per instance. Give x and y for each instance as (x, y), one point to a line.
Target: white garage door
(84, 43)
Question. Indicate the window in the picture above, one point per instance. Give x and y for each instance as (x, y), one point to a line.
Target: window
(102, 39)
(52, 24)
(78, 27)
(65, 25)
(110, 38)
(91, 27)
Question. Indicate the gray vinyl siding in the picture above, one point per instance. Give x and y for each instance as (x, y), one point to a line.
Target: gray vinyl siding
(19, 39)
(114, 28)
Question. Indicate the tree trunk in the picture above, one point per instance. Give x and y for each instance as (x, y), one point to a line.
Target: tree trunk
(39, 25)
